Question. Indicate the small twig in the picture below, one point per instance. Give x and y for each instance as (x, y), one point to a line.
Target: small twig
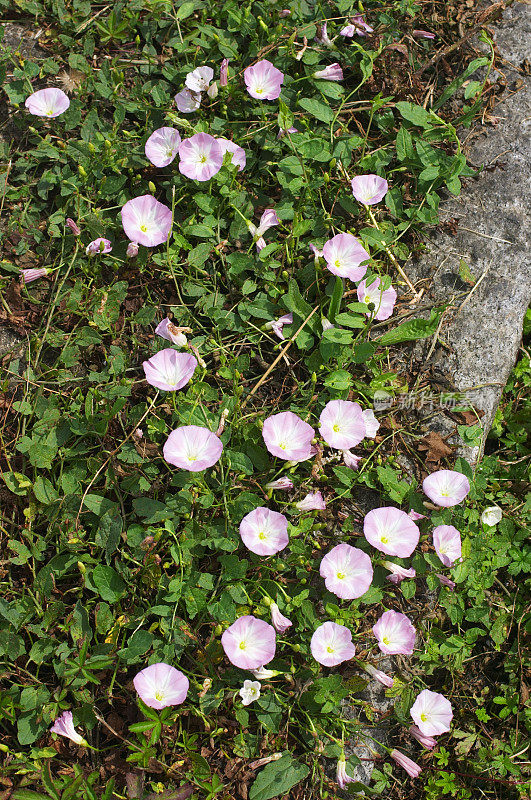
(437, 332)
(473, 289)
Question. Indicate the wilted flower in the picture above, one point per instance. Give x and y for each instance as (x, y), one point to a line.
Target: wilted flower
(446, 487)
(432, 713)
(369, 189)
(331, 73)
(383, 301)
(263, 80)
(341, 773)
(98, 246)
(446, 581)
(391, 531)
(132, 250)
(317, 254)
(283, 131)
(199, 79)
(193, 448)
(359, 27)
(341, 424)
(264, 674)
(64, 726)
(76, 230)
(267, 220)
(395, 634)
(276, 325)
(331, 644)
(47, 103)
(138, 434)
(167, 330)
(322, 36)
(201, 157)
(250, 691)
(343, 255)
(280, 483)
(411, 767)
(285, 12)
(491, 516)
(264, 532)
(162, 146)
(398, 573)
(213, 91)
(378, 675)
(351, 460)
(447, 543)
(249, 643)
(312, 502)
(287, 436)
(426, 741)
(161, 685)
(224, 72)
(30, 275)
(420, 34)
(371, 423)
(169, 370)
(280, 622)
(415, 515)
(238, 157)
(146, 221)
(347, 571)
(187, 101)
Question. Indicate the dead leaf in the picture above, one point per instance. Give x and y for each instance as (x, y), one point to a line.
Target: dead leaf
(436, 447)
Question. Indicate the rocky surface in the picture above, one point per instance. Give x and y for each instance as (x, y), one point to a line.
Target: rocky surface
(19, 38)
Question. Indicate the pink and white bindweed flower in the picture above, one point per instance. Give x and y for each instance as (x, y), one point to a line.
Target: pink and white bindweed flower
(167, 330)
(169, 370)
(331, 73)
(347, 571)
(391, 531)
(263, 80)
(280, 483)
(383, 301)
(64, 726)
(432, 713)
(193, 448)
(371, 423)
(250, 692)
(283, 131)
(263, 674)
(398, 573)
(199, 79)
(491, 516)
(98, 246)
(146, 221)
(267, 220)
(212, 91)
(351, 460)
(446, 581)
(161, 685)
(287, 436)
(47, 103)
(342, 779)
(446, 487)
(378, 675)
(341, 424)
(276, 325)
(326, 324)
(411, 767)
(33, 274)
(369, 189)
(395, 634)
(238, 157)
(187, 101)
(76, 230)
(447, 543)
(312, 502)
(344, 254)
(264, 532)
(322, 36)
(317, 254)
(132, 250)
(200, 157)
(420, 34)
(426, 741)
(249, 643)
(331, 644)
(280, 622)
(162, 146)
(415, 515)
(224, 72)
(358, 27)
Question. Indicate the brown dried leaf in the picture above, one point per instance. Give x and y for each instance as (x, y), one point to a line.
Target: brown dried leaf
(436, 447)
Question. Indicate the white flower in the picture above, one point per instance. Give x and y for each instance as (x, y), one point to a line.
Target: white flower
(250, 692)
(264, 674)
(371, 423)
(491, 516)
(199, 79)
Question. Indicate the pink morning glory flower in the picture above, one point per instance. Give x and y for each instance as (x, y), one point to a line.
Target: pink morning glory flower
(263, 80)
(341, 424)
(264, 532)
(343, 255)
(446, 581)
(383, 301)
(162, 146)
(415, 515)
(287, 436)
(224, 72)
(276, 325)
(331, 73)
(167, 330)
(280, 622)
(283, 131)
(199, 79)
(342, 778)
(331, 644)
(161, 685)
(323, 37)
(33, 274)
(250, 692)
(358, 27)
(267, 220)
(146, 221)
(391, 531)
(312, 502)
(426, 741)
(169, 370)
(64, 726)
(280, 483)
(369, 189)
(446, 487)
(249, 643)
(447, 543)
(76, 230)
(350, 460)
(200, 157)
(371, 423)
(193, 448)
(378, 675)
(395, 634)
(432, 713)
(347, 571)
(47, 103)
(187, 101)
(411, 767)
(132, 250)
(98, 246)
(398, 573)
(420, 34)
(238, 157)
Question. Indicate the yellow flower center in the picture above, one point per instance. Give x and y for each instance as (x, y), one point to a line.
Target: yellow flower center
(202, 159)
(243, 645)
(262, 535)
(335, 428)
(159, 696)
(329, 649)
(385, 639)
(282, 445)
(337, 263)
(143, 228)
(259, 90)
(424, 717)
(384, 539)
(340, 575)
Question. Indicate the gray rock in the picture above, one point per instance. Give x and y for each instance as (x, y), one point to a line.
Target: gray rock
(17, 37)
(9, 341)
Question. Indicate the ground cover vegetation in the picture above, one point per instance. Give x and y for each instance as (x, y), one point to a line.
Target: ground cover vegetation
(211, 545)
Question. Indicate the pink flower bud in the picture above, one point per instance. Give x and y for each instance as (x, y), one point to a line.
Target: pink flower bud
(29, 275)
(132, 250)
(73, 227)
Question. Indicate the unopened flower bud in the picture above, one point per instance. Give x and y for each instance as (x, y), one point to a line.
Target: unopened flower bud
(82, 171)
(132, 250)
(152, 188)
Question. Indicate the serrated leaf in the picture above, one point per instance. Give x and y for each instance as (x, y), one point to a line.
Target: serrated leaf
(277, 778)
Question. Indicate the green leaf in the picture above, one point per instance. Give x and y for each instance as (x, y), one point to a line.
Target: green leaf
(44, 491)
(296, 303)
(316, 109)
(277, 778)
(416, 114)
(28, 794)
(110, 585)
(411, 330)
(335, 300)
(185, 10)
(474, 65)
(404, 145)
